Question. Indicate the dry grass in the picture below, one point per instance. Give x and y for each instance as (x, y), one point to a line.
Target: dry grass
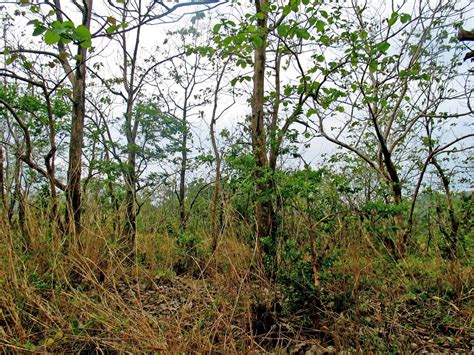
(96, 300)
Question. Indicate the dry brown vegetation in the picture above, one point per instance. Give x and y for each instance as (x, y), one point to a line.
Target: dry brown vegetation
(94, 299)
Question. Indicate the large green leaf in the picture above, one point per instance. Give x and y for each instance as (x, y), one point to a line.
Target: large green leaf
(82, 33)
(51, 38)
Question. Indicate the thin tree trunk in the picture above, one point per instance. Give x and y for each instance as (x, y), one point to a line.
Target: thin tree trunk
(49, 160)
(73, 190)
(18, 199)
(130, 229)
(184, 164)
(217, 171)
(217, 184)
(130, 198)
(263, 207)
(401, 236)
(113, 200)
(3, 196)
(131, 129)
(451, 233)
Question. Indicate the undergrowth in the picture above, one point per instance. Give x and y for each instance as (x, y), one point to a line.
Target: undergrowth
(175, 295)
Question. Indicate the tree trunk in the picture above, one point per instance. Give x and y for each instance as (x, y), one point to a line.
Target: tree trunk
(217, 185)
(131, 129)
(3, 196)
(130, 229)
(18, 199)
(73, 190)
(263, 207)
(452, 233)
(182, 172)
(401, 236)
(49, 160)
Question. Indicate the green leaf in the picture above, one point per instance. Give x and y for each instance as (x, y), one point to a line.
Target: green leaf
(82, 33)
(111, 29)
(383, 47)
(51, 38)
(393, 19)
(39, 30)
(257, 41)
(216, 28)
(404, 18)
(425, 76)
(320, 58)
(320, 25)
(325, 40)
(373, 66)
(10, 60)
(112, 20)
(86, 44)
(68, 25)
(260, 16)
(282, 30)
(59, 30)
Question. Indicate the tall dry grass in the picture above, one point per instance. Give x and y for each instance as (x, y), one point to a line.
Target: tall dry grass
(181, 297)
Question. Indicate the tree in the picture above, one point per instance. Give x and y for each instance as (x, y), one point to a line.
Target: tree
(38, 117)
(258, 34)
(182, 95)
(395, 80)
(72, 43)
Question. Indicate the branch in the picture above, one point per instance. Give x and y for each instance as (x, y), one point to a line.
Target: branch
(464, 35)
(430, 157)
(27, 156)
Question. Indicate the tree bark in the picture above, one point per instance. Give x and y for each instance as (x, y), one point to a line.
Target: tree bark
(217, 174)
(184, 163)
(464, 35)
(3, 196)
(130, 229)
(263, 207)
(73, 190)
(452, 233)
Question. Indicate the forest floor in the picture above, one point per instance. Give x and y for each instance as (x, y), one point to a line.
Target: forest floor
(94, 301)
